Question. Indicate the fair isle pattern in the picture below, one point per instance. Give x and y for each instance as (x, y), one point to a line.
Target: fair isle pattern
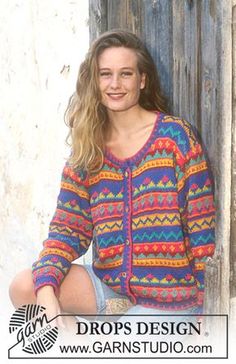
(151, 218)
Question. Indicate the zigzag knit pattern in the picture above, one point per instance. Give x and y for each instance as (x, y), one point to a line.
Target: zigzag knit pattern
(150, 217)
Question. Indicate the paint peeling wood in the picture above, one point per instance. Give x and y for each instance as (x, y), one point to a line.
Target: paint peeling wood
(97, 18)
(212, 285)
(156, 31)
(233, 191)
(125, 14)
(185, 54)
(223, 144)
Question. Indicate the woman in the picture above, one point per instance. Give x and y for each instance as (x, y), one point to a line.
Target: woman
(136, 185)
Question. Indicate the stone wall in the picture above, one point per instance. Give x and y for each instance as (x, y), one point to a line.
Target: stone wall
(42, 45)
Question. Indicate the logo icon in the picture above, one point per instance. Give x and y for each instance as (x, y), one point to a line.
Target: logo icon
(34, 331)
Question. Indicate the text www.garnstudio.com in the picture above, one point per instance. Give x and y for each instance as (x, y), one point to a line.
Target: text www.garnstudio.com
(136, 347)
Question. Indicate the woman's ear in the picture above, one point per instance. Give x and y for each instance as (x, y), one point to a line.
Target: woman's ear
(143, 81)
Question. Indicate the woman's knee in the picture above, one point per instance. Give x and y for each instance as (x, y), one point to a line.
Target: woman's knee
(77, 293)
(21, 289)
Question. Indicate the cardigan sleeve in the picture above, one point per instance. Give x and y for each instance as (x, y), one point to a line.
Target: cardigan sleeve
(196, 198)
(70, 231)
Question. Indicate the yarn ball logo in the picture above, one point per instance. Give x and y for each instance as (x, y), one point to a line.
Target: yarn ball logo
(34, 331)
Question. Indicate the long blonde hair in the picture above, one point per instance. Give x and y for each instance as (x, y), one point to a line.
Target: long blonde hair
(87, 117)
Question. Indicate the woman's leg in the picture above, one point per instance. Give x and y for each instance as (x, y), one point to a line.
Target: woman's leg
(77, 294)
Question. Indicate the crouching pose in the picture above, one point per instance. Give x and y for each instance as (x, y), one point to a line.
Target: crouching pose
(136, 186)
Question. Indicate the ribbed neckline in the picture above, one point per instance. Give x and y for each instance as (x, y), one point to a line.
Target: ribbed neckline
(141, 152)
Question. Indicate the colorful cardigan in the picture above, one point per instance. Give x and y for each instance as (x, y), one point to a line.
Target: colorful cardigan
(150, 217)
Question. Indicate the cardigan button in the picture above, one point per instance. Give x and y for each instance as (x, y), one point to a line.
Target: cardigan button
(133, 300)
(127, 242)
(126, 174)
(124, 275)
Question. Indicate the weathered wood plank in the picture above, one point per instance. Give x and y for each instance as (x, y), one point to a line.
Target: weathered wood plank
(97, 18)
(185, 53)
(157, 35)
(212, 286)
(209, 79)
(209, 101)
(223, 129)
(233, 191)
(125, 15)
(117, 14)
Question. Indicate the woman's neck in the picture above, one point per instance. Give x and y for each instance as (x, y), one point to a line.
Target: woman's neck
(129, 121)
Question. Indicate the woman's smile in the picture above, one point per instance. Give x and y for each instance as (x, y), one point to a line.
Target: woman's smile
(116, 96)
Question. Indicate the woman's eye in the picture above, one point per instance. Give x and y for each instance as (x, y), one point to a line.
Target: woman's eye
(105, 74)
(126, 74)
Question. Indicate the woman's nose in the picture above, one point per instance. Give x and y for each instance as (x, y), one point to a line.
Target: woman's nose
(115, 82)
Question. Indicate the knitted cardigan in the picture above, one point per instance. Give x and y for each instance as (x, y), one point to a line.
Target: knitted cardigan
(151, 219)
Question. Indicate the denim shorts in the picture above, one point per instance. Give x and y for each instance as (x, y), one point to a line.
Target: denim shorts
(104, 293)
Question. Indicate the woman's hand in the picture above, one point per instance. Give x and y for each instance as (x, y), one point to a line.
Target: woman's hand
(46, 297)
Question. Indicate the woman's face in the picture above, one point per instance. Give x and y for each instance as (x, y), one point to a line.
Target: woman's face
(119, 79)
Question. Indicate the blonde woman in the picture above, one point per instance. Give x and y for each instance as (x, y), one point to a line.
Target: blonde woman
(136, 186)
